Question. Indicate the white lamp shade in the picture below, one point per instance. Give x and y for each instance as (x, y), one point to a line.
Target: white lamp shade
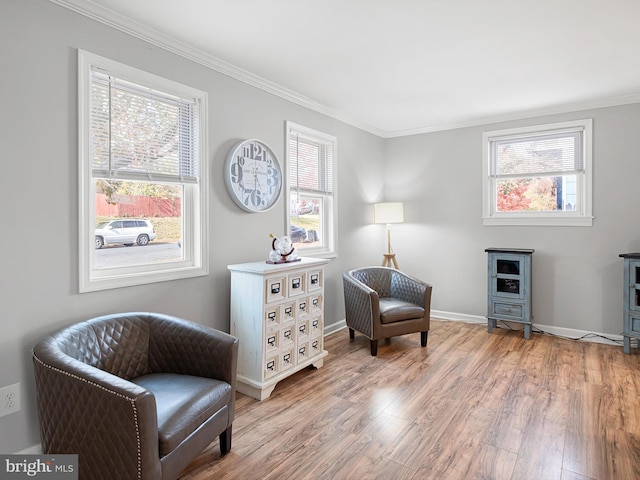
(388, 212)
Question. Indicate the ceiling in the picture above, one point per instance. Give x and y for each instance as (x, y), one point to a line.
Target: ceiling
(398, 67)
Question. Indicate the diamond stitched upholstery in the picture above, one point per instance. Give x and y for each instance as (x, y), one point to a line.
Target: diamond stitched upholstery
(406, 302)
(88, 405)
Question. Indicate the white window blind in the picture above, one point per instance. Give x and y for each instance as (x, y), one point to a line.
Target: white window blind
(311, 165)
(542, 155)
(137, 133)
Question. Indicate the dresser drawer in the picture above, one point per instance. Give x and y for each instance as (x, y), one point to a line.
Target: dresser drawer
(297, 283)
(316, 346)
(514, 310)
(271, 366)
(303, 352)
(632, 325)
(315, 303)
(275, 289)
(315, 280)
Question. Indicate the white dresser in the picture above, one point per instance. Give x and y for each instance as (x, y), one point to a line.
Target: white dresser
(277, 313)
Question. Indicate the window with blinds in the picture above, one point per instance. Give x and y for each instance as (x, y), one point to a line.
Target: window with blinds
(138, 133)
(142, 140)
(310, 188)
(538, 175)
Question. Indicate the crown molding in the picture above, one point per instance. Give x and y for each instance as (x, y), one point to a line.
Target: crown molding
(522, 114)
(124, 24)
(108, 17)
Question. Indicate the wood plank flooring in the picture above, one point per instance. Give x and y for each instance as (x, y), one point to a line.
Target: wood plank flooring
(471, 405)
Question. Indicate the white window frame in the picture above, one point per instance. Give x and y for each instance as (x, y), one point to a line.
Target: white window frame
(328, 248)
(194, 203)
(582, 216)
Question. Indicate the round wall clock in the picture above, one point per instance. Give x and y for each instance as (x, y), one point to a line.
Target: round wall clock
(253, 176)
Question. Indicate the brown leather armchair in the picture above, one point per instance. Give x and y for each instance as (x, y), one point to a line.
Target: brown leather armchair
(382, 302)
(135, 395)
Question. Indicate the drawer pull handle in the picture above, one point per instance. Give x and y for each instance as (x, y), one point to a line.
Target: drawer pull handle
(314, 279)
(272, 341)
(287, 334)
(271, 366)
(275, 288)
(287, 358)
(302, 329)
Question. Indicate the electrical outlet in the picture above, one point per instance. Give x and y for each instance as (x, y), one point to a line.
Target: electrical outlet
(9, 399)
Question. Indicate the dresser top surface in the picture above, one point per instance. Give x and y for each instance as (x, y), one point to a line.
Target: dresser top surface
(510, 250)
(263, 267)
(630, 255)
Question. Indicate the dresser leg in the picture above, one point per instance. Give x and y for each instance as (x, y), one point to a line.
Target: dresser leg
(627, 345)
(491, 324)
(527, 332)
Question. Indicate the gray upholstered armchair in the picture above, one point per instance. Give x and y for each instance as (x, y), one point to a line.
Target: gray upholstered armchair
(382, 302)
(135, 395)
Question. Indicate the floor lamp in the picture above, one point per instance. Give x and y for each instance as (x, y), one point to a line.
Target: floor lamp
(388, 213)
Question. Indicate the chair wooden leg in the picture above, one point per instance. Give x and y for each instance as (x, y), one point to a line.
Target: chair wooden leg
(352, 334)
(374, 347)
(225, 441)
(423, 338)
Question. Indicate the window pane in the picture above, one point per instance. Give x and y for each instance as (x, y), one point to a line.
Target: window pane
(311, 216)
(536, 194)
(305, 218)
(141, 215)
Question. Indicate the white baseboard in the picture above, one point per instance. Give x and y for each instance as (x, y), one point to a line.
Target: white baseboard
(32, 450)
(569, 333)
(334, 327)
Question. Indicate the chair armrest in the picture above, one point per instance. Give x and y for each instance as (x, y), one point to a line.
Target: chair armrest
(362, 307)
(113, 414)
(181, 346)
(410, 289)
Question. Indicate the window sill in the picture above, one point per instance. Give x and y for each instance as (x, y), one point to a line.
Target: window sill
(525, 220)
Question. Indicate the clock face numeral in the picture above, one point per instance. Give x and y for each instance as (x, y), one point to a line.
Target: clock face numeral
(253, 176)
(237, 170)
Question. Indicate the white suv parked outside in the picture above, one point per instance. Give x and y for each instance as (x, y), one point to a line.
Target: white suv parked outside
(126, 231)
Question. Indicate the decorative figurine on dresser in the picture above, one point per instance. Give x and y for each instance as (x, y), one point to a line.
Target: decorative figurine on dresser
(277, 313)
(509, 287)
(631, 296)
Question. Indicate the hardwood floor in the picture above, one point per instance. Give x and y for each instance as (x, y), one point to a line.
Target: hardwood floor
(471, 405)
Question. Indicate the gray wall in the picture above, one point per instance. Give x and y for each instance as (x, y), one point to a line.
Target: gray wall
(577, 275)
(39, 188)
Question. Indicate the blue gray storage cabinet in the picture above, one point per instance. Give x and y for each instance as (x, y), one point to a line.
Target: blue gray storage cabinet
(509, 287)
(631, 298)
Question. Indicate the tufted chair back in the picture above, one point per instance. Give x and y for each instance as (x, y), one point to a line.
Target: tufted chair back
(136, 395)
(382, 302)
